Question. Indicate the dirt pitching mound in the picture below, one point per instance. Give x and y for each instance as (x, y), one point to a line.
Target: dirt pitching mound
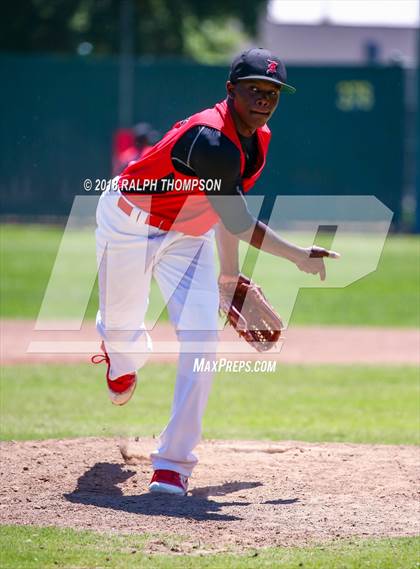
(243, 493)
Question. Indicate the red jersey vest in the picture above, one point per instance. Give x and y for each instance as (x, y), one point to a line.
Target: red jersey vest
(189, 212)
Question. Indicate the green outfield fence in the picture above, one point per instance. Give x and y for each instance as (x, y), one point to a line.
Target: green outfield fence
(342, 133)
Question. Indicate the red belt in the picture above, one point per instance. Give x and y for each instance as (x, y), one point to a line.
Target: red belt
(151, 219)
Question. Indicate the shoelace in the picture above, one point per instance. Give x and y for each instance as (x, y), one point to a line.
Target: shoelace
(119, 384)
(99, 359)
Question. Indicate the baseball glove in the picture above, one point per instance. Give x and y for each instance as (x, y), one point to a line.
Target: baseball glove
(249, 312)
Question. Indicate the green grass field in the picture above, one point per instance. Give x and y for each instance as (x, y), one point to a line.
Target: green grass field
(48, 548)
(312, 403)
(387, 297)
(360, 404)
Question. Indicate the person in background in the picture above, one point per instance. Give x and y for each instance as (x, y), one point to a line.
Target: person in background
(132, 144)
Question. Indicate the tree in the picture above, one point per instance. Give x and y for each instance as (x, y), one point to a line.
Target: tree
(200, 29)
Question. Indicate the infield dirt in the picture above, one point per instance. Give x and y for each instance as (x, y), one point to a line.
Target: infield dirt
(299, 344)
(243, 494)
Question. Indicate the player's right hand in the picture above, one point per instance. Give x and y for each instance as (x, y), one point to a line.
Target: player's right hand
(311, 260)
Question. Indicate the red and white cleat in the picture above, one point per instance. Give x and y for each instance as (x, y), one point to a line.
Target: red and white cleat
(168, 482)
(121, 389)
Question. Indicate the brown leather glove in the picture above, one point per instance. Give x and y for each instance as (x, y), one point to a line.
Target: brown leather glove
(249, 312)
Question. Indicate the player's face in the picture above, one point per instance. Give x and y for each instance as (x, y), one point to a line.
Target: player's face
(254, 101)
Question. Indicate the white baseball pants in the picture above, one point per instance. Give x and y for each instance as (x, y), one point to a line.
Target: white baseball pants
(129, 253)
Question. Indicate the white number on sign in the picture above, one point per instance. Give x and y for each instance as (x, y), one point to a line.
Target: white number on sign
(355, 96)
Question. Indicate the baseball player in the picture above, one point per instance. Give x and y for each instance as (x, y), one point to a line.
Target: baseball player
(147, 226)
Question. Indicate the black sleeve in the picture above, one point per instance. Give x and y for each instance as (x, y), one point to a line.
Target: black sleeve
(207, 153)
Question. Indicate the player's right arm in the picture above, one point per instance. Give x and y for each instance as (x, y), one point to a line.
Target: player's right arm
(207, 153)
(262, 237)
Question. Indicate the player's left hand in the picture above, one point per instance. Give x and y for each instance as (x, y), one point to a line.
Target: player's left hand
(249, 312)
(311, 260)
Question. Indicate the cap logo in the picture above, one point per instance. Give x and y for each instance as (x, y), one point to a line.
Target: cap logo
(272, 67)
